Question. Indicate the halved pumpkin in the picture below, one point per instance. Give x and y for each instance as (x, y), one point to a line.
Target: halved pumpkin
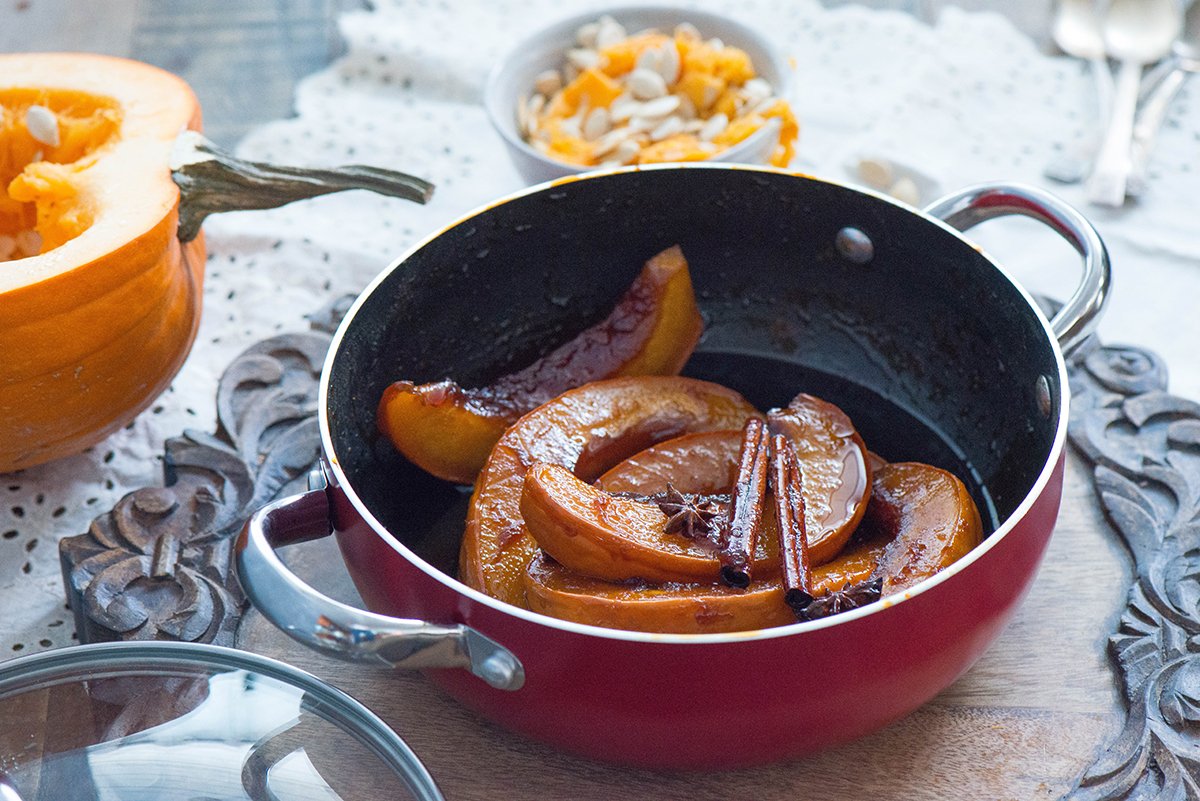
(96, 323)
(449, 430)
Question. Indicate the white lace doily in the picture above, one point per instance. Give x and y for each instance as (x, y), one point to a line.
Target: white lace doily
(969, 99)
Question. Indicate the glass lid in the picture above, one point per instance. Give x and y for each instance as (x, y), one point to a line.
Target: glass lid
(164, 721)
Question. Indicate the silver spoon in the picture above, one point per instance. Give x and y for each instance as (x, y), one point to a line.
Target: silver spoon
(1185, 59)
(1076, 31)
(1136, 33)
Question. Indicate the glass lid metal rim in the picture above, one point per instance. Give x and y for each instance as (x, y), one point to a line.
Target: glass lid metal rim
(33, 671)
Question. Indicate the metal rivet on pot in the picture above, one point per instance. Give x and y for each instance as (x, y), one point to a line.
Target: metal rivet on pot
(1042, 392)
(855, 246)
(499, 670)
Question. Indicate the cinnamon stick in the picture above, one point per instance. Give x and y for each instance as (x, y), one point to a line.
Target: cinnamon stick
(746, 509)
(786, 485)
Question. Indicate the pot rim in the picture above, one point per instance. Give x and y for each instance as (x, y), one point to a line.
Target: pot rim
(1031, 497)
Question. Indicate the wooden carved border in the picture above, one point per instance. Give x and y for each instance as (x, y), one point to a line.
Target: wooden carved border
(158, 565)
(1144, 445)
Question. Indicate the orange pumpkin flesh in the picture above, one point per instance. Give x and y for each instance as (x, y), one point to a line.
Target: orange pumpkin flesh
(449, 431)
(94, 327)
(586, 430)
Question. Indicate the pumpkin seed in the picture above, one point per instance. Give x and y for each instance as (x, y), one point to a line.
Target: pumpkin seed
(536, 104)
(713, 126)
(646, 84)
(627, 151)
(905, 190)
(649, 59)
(29, 242)
(523, 120)
(623, 107)
(686, 30)
(659, 106)
(596, 124)
(757, 88)
(547, 82)
(571, 127)
(42, 125)
(586, 35)
(666, 129)
(583, 59)
(687, 109)
(668, 64)
(610, 32)
(610, 141)
(876, 173)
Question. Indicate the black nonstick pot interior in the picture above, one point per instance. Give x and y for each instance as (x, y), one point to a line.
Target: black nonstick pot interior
(933, 353)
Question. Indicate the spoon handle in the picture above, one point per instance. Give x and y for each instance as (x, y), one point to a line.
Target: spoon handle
(1103, 78)
(1149, 120)
(1106, 186)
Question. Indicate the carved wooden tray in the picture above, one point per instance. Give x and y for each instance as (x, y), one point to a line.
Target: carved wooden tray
(158, 565)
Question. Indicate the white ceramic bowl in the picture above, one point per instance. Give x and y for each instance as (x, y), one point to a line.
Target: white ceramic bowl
(513, 78)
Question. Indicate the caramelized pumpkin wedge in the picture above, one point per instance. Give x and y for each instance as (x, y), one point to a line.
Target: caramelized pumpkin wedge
(835, 472)
(595, 533)
(704, 463)
(449, 430)
(586, 430)
(682, 608)
(927, 516)
(667, 608)
(920, 520)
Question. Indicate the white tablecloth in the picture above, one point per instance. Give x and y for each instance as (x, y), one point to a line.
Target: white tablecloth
(966, 100)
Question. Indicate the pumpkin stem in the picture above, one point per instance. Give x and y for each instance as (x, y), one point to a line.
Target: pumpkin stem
(211, 180)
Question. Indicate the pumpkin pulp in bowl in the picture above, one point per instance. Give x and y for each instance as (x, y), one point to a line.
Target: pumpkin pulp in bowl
(94, 325)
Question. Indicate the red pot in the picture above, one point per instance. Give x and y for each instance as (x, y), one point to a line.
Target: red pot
(933, 350)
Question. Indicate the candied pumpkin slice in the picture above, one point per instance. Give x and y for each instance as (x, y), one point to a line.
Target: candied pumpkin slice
(586, 430)
(928, 518)
(683, 608)
(449, 430)
(704, 463)
(596, 533)
(700, 608)
(836, 474)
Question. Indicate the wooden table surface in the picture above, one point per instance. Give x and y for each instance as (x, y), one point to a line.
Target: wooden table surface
(1022, 724)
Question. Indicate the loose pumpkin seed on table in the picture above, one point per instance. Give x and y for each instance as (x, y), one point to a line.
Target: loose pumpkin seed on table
(650, 97)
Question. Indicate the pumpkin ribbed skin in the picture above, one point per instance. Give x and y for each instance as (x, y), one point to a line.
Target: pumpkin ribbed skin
(94, 329)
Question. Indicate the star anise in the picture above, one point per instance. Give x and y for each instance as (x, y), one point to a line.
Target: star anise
(689, 515)
(848, 597)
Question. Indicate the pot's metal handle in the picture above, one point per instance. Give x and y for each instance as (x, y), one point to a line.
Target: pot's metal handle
(975, 204)
(343, 631)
